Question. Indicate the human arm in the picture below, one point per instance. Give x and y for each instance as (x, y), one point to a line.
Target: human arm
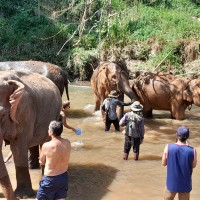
(42, 158)
(121, 103)
(66, 125)
(164, 157)
(195, 159)
(122, 121)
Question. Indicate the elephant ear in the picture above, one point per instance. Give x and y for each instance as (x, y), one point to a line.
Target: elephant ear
(187, 94)
(15, 97)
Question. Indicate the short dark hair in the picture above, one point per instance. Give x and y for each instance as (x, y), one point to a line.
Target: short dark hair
(56, 127)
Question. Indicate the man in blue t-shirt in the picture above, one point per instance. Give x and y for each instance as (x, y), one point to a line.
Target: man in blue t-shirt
(180, 159)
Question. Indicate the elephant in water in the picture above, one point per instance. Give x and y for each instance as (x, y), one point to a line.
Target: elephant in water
(162, 91)
(111, 76)
(51, 71)
(28, 102)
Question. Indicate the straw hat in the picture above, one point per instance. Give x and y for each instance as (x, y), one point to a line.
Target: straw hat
(113, 94)
(136, 106)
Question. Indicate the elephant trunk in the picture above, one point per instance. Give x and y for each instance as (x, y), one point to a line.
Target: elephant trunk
(124, 86)
(5, 183)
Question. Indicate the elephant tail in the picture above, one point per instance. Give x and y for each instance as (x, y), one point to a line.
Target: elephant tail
(65, 83)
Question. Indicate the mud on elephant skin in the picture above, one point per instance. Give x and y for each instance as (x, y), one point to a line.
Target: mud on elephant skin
(49, 70)
(25, 102)
(111, 76)
(165, 91)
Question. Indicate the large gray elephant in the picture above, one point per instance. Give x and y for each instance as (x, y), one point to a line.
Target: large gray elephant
(111, 76)
(164, 91)
(49, 70)
(28, 102)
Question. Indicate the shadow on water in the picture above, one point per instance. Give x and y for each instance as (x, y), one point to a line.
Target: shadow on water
(150, 157)
(90, 182)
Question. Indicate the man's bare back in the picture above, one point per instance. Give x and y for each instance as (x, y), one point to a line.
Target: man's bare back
(55, 156)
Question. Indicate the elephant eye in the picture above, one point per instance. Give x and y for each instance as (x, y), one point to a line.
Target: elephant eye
(114, 76)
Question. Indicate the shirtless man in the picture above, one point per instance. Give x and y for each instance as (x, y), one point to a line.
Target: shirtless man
(55, 156)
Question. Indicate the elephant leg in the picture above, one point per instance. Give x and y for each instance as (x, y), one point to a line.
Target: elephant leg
(120, 109)
(24, 186)
(178, 112)
(20, 155)
(97, 103)
(33, 157)
(148, 114)
(7, 188)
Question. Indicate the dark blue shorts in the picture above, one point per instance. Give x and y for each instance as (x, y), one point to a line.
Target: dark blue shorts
(53, 187)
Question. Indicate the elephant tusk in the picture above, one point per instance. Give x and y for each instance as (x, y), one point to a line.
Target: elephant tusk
(189, 107)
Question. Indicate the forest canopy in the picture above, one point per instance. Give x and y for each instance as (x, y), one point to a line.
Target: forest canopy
(76, 34)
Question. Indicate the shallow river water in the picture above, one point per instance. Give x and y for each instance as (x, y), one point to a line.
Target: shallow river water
(97, 171)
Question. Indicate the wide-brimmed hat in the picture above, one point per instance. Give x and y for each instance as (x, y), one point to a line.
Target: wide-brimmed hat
(136, 106)
(183, 132)
(114, 94)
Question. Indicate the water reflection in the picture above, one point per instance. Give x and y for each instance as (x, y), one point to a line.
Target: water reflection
(97, 171)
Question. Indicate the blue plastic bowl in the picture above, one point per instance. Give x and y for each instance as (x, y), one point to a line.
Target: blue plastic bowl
(78, 131)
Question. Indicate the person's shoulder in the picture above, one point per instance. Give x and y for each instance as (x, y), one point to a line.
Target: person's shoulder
(66, 140)
(191, 147)
(46, 145)
(105, 100)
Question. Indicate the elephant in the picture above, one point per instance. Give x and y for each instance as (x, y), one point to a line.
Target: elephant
(51, 71)
(111, 76)
(165, 91)
(28, 103)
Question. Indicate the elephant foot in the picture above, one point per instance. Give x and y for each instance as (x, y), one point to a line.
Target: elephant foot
(24, 187)
(25, 193)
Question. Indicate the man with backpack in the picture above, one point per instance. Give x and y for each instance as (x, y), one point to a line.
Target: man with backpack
(109, 106)
(134, 131)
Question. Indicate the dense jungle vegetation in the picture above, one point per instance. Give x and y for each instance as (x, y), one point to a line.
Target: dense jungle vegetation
(77, 34)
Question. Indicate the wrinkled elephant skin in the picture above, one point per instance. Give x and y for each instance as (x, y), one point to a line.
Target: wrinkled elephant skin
(110, 76)
(49, 70)
(28, 102)
(162, 91)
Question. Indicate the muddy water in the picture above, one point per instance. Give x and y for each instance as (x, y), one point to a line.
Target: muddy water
(97, 171)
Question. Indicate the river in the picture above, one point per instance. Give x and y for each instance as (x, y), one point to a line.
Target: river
(97, 170)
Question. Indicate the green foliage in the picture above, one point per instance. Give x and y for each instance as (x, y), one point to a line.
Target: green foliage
(56, 31)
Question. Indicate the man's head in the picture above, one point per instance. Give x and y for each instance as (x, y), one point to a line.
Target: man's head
(136, 106)
(183, 133)
(56, 128)
(113, 94)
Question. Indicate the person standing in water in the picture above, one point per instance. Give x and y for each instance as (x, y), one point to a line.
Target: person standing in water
(55, 155)
(109, 106)
(180, 159)
(134, 131)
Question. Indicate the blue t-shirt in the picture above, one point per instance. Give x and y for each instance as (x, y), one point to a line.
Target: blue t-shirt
(179, 168)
